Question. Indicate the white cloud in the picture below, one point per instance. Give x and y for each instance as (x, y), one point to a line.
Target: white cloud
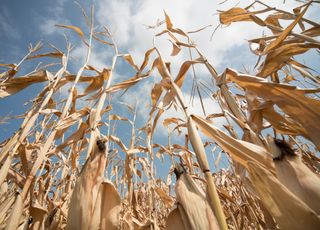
(57, 16)
(118, 14)
(47, 27)
(99, 58)
(58, 10)
(139, 95)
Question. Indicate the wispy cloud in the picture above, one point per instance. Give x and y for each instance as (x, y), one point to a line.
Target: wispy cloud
(7, 29)
(59, 8)
(56, 16)
(47, 27)
(100, 58)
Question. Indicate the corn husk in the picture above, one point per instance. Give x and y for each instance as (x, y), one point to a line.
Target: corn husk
(289, 211)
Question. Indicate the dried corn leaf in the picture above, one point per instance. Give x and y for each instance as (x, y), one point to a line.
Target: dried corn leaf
(81, 78)
(16, 213)
(215, 115)
(74, 137)
(115, 117)
(146, 59)
(170, 28)
(8, 74)
(273, 20)
(168, 21)
(156, 93)
(16, 178)
(175, 49)
(118, 141)
(162, 69)
(127, 83)
(238, 14)
(51, 111)
(292, 101)
(17, 84)
(167, 200)
(129, 59)
(5, 206)
(74, 28)
(277, 42)
(235, 14)
(183, 71)
(305, 73)
(241, 151)
(5, 169)
(39, 215)
(96, 83)
(155, 121)
(278, 57)
(174, 120)
(11, 66)
(52, 55)
(260, 109)
(312, 32)
(71, 119)
(284, 124)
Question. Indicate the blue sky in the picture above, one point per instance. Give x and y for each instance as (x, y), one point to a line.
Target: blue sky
(24, 22)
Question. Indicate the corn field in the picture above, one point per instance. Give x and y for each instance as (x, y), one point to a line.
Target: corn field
(69, 165)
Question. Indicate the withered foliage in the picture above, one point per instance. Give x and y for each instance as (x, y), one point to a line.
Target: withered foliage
(53, 180)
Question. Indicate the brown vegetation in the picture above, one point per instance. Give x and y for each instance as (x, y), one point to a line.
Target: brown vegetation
(271, 184)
